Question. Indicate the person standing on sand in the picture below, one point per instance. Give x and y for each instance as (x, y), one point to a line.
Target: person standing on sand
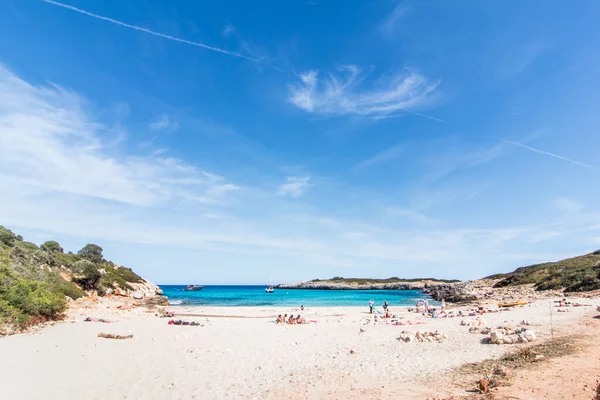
(426, 306)
(443, 306)
(385, 305)
(371, 306)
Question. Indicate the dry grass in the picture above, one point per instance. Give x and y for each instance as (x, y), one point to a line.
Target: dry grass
(499, 372)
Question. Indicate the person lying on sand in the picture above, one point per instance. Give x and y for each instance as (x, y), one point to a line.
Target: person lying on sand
(90, 319)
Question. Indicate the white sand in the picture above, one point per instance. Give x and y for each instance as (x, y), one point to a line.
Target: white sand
(250, 357)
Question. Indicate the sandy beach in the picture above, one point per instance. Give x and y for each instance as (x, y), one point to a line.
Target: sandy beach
(241, 353)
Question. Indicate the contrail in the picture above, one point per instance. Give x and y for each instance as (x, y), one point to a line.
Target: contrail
(201, 45)
(162, 35)
(551, 154)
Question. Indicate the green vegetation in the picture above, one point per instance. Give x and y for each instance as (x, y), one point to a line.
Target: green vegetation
(35, 282)
(52, 245)
(86, 274)
(369, 281)
(577, 274)
(91, 252)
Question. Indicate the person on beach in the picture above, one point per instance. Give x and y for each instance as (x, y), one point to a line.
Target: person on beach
(385, 305)
(302, 307)
(279, 319)
(426, 306)
(443, 306)
(292, 320)
(371, 306)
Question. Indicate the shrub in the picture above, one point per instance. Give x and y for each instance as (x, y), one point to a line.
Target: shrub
(7, 236)
(27, 246)
(22, 299)
(91, 252)
(87, 274)
(52, 246)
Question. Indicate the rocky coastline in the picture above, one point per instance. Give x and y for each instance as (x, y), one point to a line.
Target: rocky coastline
(333, 285)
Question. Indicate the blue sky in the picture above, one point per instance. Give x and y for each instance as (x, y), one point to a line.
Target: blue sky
(227, 142)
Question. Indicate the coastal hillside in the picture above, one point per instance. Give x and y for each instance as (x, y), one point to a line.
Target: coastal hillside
(576, 274)
(340, 283)
(38, 282)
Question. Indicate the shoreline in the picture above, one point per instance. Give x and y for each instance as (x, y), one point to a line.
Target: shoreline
(250, 357)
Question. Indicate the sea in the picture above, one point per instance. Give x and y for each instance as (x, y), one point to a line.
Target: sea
(255, 296)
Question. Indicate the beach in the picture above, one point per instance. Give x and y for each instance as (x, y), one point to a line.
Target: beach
(239, 352)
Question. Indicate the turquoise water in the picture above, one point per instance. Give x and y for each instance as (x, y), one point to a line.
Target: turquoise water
(256, 296)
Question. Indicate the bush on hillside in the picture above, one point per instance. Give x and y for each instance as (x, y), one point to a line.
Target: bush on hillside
(91, 252)
(7, 236)
(52, 246)
(86, 274)
(23, 300)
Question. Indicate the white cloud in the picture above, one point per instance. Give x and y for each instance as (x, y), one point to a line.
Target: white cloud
(388, 24)
(345, 94)
(383, 156)
(295, 186)
(50, 144)
(568, 206)
(164, 123)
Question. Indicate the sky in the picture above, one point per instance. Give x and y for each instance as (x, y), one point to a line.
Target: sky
(238, 142)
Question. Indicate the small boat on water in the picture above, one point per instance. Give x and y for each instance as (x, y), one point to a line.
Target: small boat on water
(193, 287)
(269, 289)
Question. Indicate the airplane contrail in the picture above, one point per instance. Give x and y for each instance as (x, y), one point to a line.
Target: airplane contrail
(162, 35)
(198, 44)
(550, 154)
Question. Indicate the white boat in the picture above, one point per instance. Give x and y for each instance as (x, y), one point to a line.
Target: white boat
(269, 289)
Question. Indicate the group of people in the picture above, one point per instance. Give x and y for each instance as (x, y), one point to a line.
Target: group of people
(422, 306)
(291, 320)
(386, 312)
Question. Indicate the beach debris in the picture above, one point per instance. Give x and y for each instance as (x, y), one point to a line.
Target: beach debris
(506, 335)
(361, 331)
(486, 330)
(476, 322)
(483, 385)
(524, 322)
(474, 329)
(113, 336)
(430, 337)
(353, 351)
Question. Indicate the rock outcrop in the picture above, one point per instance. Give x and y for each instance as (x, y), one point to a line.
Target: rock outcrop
(334, 285)
(483, 289)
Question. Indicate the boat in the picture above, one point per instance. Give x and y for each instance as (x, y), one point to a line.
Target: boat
(269, 289)
(514, 304)
(193, 287)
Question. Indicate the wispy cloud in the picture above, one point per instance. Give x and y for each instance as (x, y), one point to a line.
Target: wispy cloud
(442, 167)
(162, 35)
(164, 123)
(383, 156)
(551, 154)
(568, 206)
(388, 24)
(51, 145)
(295, 186)
(345, 94)
(412, 215)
